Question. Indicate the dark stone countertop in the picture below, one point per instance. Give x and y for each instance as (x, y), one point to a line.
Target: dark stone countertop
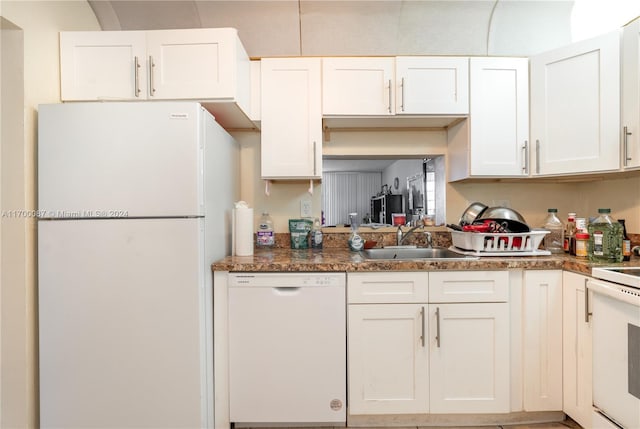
(343, 260)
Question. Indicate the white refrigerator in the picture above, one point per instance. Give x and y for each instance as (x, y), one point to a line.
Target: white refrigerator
(134, 204)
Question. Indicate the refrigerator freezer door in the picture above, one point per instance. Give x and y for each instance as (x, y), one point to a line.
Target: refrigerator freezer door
(120, 159)
(122, 320)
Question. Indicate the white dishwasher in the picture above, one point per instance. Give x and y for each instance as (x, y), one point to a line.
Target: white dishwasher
(287, 348)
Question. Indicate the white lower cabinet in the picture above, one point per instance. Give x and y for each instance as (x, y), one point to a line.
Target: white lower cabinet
(428, 342)
(388, 361)
(469, 342)
(576, 349)
(469, 357)
(542, 340)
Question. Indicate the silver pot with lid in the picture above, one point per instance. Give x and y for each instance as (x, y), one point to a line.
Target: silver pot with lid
(471, 213)
(509, 218)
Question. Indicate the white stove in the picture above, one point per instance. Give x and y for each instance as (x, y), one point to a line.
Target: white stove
(616, 346)
(628, 276)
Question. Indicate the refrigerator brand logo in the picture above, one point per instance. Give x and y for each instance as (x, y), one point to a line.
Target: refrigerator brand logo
(179, 116)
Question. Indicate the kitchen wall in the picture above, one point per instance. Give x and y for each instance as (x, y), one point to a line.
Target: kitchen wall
(509, 31)
(40, 22)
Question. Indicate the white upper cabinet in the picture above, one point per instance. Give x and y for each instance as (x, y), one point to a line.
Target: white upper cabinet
(103, 65)
(196, 64)
(631, 95)
(432, 85)
(499, 116)
(291, 118)
(575, 107)
(388, 86)
(494, 141)
(358, 86)
(206, 64)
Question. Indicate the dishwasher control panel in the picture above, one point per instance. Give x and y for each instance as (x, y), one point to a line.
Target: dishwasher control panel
(286, 279)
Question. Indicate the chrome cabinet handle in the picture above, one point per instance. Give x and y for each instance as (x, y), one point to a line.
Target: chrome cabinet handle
(627, 158)
(402, 94)
(438, 326)
(136, 73)
(538, 156)
(422, 336)
(152, 66)
(389, 108)
(525, 148)
(586, 302)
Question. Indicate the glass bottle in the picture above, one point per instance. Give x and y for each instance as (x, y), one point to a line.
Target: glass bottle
(316, 235)
(605, 238)
(553, 240)
(265, 237)
(626, 242)
(356, 243)
(569, 234)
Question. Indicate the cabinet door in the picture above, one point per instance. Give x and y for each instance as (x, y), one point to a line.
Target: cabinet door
(631, 95)
(291, 137)
(432, 85)
(388, 360)
(542, 340)
(357, 86)
(191, 64)
(576, 349)
(575, 107)
(102, 65)
(469, 358)
(499, 115)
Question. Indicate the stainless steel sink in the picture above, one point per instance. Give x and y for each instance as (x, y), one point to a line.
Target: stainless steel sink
(401, 253)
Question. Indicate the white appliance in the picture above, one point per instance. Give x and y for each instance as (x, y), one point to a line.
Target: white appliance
(616, 347)
(287, 348)
(134, 204)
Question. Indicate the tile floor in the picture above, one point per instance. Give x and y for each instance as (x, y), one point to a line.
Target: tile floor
(566, 424)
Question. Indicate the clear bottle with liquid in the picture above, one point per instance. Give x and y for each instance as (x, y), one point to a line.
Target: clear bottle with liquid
(553, 242)
(316, 234)
(265, 236)
(605, 238)
(356, 243)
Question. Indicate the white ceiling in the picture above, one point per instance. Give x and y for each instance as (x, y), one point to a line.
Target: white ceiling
(358, 27)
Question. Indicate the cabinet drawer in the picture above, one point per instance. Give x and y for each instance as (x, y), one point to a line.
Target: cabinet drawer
(388, 287)
(469, 286)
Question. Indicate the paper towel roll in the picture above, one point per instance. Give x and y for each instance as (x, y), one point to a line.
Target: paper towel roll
(243, 231)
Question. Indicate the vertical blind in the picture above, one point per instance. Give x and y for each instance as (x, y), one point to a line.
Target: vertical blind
(348, 192)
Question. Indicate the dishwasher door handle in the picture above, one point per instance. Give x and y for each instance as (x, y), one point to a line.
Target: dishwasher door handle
(287, 290)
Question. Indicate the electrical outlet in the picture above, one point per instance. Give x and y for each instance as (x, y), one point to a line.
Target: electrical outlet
(305, 208)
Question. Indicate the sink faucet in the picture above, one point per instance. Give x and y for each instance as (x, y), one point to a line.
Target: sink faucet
(400, 236)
